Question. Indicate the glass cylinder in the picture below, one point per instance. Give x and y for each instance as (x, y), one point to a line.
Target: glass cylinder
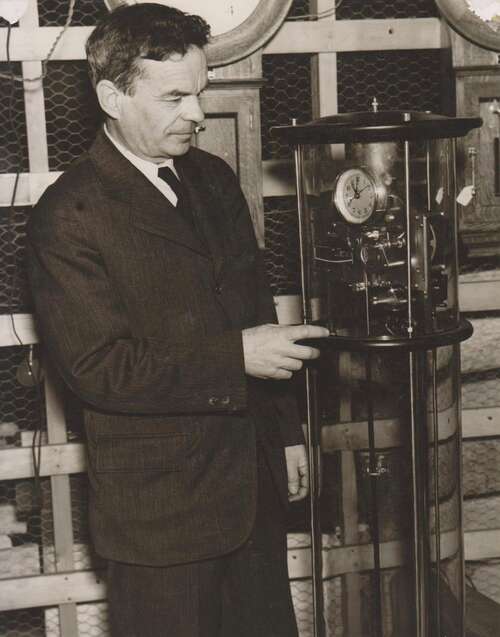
(378, 234)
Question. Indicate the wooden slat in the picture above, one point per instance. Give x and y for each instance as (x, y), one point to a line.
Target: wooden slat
(343, 560)
(294, 37)
(22, 324)
(51, 590)
(354, 435)
(17, 463)
(482, 545)
(60, 459)
(34, 44)
(325, 36)
(86, 586)
(479, 296)
(29, 187)
(481, 423)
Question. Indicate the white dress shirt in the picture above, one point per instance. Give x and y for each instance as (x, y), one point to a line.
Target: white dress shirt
(148, 168)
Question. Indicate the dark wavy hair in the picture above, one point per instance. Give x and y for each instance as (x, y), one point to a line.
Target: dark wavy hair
(140, 31)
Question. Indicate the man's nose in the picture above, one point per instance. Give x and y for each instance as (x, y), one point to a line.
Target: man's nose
(192, 109)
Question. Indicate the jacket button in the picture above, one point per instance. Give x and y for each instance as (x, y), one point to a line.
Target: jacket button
(213, 401)
(225, 401)
(218, 289)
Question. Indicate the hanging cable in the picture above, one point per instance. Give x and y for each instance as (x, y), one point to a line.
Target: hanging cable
(20, 78)
(36, 445)
(327, 13)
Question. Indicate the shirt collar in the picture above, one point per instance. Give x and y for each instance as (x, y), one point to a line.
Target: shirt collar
(148, 168)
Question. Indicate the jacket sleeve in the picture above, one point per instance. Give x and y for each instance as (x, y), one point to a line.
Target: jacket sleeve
(81, 319)
(281, 393)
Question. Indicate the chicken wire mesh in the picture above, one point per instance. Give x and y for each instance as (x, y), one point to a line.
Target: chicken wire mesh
(282, 245)
(22, 525)
(72, 119)
(92, 621)
(53, 13)
(13, 141)
(400, 80)
(71, 112)
(485, 577)
(27, 622)
(482, 513)
(360, 9)
(481, 467)
(14, 291)
(21, 406)
(286, 94)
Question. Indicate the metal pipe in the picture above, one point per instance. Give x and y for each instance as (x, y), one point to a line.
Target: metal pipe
(313, 438)
(420, 619)
(408, 242)
(374, 477)
(417, 576)
(461, 601)
(437, 512)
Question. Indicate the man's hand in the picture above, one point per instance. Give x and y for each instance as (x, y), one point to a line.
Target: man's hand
(298, 472)
(270, 350)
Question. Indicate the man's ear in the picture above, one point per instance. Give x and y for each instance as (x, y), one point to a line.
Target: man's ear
(110, 98)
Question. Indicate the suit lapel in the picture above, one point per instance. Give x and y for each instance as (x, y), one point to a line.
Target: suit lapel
(205, 207)
(149, 209)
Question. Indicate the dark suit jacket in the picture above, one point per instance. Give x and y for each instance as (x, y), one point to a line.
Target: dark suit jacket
(143, 321)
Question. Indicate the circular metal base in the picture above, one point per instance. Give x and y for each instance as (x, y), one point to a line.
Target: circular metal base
(422, 342)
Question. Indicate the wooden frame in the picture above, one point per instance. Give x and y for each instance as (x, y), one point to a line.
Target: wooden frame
(468, 24)
(60, 458)
(247, 37)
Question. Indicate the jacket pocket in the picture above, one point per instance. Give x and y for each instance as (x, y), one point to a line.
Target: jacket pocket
(133, 453)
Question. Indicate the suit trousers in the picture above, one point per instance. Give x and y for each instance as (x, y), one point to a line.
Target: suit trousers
(242, 594)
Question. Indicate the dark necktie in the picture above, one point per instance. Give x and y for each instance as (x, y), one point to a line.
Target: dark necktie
(168, 176)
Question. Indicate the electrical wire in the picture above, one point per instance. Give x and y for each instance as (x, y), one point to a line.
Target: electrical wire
(327, 13)
(36, 445)
(20, 78)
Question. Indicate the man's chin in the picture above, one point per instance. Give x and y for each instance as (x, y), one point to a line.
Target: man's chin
(179, 148)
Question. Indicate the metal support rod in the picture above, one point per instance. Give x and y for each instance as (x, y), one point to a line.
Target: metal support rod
(417, 574)
(374, 522)
(459, 432)
(313, 436)
(408, 242)
(437, 512)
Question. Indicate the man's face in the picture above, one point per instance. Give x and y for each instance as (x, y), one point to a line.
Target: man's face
(157, 120)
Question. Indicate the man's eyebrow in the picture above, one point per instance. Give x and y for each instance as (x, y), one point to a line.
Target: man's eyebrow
(174, 93)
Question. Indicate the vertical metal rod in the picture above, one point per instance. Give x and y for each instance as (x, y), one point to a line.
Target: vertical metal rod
(408, 238)
(420, 619)
(313, 437)
(374, 476)
(456, 348)
(304, 280)
(415, 469)
(437, 512)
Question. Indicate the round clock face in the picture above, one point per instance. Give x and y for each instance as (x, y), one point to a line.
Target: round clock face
(355, 195)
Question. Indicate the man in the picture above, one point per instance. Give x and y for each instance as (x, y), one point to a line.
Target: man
(152, 301)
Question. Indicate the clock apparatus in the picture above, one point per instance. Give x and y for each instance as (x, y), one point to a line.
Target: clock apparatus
(378, 256)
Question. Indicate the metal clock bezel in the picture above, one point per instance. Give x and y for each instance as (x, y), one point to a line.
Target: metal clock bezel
(244, 39)
(338, 198)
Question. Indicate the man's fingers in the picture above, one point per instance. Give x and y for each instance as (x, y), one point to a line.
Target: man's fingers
(292, 364)
(280, 374)
(299, 332)
(304, 352)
